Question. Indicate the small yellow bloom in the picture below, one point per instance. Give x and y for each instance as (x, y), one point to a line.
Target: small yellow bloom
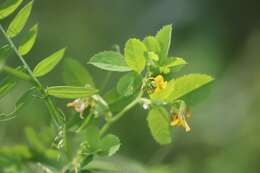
(179, 120)
(159, 83)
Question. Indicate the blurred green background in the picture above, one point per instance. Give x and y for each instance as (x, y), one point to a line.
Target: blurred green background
(218, 37)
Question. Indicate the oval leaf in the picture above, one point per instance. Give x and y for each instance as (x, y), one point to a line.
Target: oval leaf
(152, 44)
(71, 92)
(164, 94)
(109, 60)
(128, 84)
(134, 55)
(46, 65)
(164, 39)
(19, 21)
(159, 124)
(8, 7)
(189, 83)
(76, 74)
(110, 144)
(28, 41)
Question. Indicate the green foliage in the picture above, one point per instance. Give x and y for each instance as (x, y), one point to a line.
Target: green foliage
(71, 92)
(75, 74)
(146, 84)
(109, 60)
(158, 121)
(49, 63)
(18, 23)
(8, 7)
(28, 41)
(134, 55)
(164, 39)
(189, 83)
(128, 84)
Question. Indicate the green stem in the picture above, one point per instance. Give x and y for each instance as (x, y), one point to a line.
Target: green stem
(50, 104)
(85, 123)
(14, 72)
(106, 80)
(120, 114)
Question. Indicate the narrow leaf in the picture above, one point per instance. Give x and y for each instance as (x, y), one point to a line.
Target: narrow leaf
(164, 39)
(134, 55)
(159, 124)
(19, 21)
(71, 92)
(4, 52)
(75, 74)
(189, 83)
(109, 60)
(28, 41)
(46, 65)
(6, 85)
(92, 139)
(8, 7)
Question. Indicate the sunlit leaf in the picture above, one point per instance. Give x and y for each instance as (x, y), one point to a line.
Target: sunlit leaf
(164, 94)
(175, 63)
(128, 84)
(159, 124)
(164, 39)
(18, 23)
(28, 41)
(71, 92)
(189, 83)
(75, 74)
(109, 60)
(46, 65)
(134, 55)
(8, 7)
(152, 44)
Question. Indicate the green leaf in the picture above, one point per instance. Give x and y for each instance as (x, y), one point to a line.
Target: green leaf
(189, 83)
(134, 55)
(46, 65)
(110, 144)
(128, 84)
(76, 74)
(159, 124)
(109, 60)
(33, 139)
(173, 63)
(152, 44)
(8, 7)
(92, 140)
(4, 52)
(6, 85)
(19, 21)
(164, 39)
(71, 92)
(164, 94)
(28, 41)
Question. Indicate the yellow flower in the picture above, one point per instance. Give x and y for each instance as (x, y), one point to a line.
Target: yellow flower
(180, 120)
(159, 83)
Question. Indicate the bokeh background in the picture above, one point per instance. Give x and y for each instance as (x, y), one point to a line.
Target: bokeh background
(217, 37)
